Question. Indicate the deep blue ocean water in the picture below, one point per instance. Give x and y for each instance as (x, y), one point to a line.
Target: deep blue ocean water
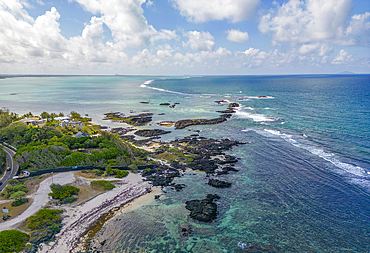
(304, 178)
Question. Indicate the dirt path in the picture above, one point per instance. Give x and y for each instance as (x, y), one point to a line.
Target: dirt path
(40, 198)
(78, 219)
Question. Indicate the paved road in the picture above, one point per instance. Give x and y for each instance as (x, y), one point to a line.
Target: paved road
(14, 167)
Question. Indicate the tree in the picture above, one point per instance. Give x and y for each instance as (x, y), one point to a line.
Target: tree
(13, 241)
(45, 115)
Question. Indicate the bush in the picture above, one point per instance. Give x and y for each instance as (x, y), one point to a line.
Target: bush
(19, 202)
(98, 172)
(12, 192)
(133, 167)
(62, 192)
(68, 200)
(43, 219)
(13, 241)
(102, 184)
(121, 174)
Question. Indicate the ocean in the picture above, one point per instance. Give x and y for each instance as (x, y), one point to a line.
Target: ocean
(303, 183)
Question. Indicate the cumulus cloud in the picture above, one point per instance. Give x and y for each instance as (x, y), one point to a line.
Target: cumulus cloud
(237, 36)
(321, 49)
(199, 41)
(313, 21)
(199, 11)
(124, 18)
(342, 57)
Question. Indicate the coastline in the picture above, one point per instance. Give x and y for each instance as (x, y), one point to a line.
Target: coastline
(77, 220)
(84, 241)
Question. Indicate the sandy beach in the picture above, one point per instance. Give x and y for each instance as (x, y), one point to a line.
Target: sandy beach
(76, 220)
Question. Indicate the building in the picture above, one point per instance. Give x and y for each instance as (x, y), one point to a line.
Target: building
(34, 121)
(65, 123)
(81, 134)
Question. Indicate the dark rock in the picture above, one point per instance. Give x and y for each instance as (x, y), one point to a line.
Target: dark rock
(218, 183)
(233, 105)
(203, 210)
(178, 187)
(181, 124)
(135, 120)
(151, 132)
(185, 229)
(226, 170)
(228, 110)
(220, 101)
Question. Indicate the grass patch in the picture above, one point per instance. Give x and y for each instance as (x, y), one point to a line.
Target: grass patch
(15, 210)
(168, 156)
(102, 184)
(87, 174)
(86, 193)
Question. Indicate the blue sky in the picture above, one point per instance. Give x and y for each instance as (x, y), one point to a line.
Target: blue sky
(176, 37)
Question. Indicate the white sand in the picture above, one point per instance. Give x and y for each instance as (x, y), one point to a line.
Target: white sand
(40, 198)
(78, 219)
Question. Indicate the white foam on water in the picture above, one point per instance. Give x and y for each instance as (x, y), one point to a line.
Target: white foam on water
(260, 97)
(145, 85)
(354, 170)
(254, 116)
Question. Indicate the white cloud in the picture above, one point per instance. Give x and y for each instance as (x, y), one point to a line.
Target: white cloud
(237, 36)
(309, 21)
(124, 18)
(251, 51)
(342, 57)
(199, 41)
(200, 11)
(321, 49)
(358, 24)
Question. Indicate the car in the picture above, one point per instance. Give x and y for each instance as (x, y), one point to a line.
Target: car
(8, 169)
(1, 183)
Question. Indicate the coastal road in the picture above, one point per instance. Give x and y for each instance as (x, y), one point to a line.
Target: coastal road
(13, 167)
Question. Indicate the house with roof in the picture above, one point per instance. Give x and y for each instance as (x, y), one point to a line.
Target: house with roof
(65, 123)
(81, 134)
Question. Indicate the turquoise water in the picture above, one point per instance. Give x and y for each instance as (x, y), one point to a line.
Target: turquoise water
(304, 181)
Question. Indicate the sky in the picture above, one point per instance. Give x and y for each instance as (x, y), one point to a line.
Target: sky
(184, 37)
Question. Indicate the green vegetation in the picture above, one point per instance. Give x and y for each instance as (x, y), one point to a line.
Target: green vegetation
(13, 241)
(118, 173)
(15, 190)
(68, 200)
(6, 117)
(2, 161)
(44, 225)
(64, 193)
(105, 185)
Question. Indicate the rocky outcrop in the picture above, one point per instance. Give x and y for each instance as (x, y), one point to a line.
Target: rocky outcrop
(233, 105)
(203, 210)
(181, 124)
(226, 170)
(151, 132)
(220, 101)
(218, 183)
(228, 110)
(135, 120)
